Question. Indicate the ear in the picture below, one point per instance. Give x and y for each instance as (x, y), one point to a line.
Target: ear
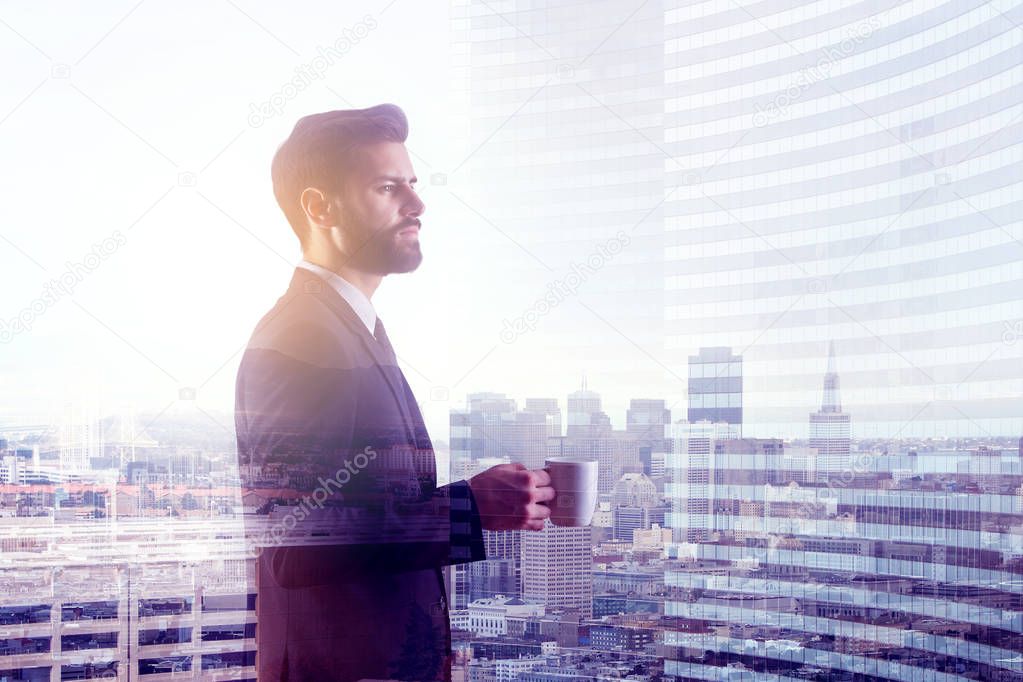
(317, 207)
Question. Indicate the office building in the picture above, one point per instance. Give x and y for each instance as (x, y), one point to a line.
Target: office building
(557, 564)
(561, 110)
(647, 422)
(715, 388)
(830, 428)
(549, 408)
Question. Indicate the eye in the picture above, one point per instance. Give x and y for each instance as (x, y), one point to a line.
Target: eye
(388, 188)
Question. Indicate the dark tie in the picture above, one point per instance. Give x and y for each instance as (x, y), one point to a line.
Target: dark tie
(381, 337)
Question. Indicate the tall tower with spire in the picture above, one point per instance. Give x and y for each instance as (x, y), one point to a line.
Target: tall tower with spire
(832, 400)
(830, 428)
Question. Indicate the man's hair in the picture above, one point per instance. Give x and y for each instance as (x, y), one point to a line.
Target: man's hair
(319, 150)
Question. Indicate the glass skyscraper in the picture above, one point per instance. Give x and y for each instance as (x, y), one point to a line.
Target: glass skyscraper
(807, 178)
(849, 173)
(715, 387)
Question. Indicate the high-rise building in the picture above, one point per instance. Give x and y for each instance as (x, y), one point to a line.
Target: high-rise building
(830, 428)
(473, 427)
(585, 417)
(647, 422)
(81, 437)
(829, 171)
(715, 388)
(557, 568)
(494, 427)
(488, 578)
(590, 436)
(499, 573)
(551, 411)
(522, 438)
(600, 446)
(490, 431)
(691, 467)
(856, 561)
(849, 174)
(628, 520)
(563, 110)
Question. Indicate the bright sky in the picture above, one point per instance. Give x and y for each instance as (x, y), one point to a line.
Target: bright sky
(130, 122)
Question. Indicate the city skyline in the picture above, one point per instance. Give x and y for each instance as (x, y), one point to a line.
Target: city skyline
(536, 592)
(760, 260)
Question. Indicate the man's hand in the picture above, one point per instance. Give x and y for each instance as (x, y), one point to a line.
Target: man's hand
(512, 497)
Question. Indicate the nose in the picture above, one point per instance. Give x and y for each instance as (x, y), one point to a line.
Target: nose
(414, 207)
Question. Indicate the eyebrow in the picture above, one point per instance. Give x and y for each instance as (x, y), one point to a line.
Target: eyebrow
(395, 178)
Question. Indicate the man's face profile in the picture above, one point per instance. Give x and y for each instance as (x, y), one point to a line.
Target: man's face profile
(378, 227)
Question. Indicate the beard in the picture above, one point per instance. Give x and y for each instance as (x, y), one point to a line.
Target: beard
(380, 250)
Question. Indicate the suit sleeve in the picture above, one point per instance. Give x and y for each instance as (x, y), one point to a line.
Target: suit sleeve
(334, 477)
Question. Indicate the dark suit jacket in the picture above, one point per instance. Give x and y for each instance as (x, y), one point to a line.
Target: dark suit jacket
(354, 530)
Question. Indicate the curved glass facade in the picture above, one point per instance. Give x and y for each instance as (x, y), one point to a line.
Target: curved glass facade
(850, 173)
(829, 197)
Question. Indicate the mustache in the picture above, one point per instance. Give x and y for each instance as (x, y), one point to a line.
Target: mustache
(405, 224)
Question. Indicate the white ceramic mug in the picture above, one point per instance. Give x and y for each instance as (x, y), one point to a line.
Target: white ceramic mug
(575, 486)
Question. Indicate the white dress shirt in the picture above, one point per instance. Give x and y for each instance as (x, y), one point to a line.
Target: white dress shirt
(348, 291)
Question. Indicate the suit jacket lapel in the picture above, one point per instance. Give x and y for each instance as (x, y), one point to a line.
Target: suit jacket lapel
(301, 280)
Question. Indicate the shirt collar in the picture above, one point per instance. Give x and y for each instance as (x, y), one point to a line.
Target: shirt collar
(352, 295)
